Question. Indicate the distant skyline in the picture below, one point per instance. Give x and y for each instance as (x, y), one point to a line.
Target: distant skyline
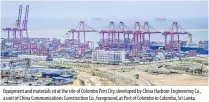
(107, 9)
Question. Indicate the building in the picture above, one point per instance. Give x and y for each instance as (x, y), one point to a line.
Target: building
(108, 57)
(32, 57)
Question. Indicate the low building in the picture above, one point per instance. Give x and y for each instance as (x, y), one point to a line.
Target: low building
(108, 57)
(32, 57)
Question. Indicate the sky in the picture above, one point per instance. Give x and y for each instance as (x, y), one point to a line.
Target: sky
(108, 9)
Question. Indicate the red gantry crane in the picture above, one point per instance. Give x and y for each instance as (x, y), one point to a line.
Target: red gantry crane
(127, 34)
(148, 30)
(19, 25)
(175, 29)
(137, 32)
(112, 38)
(83, 28)
(17, 30)
(107, 41)
(90, 44)
(80, 32)
(15, 27)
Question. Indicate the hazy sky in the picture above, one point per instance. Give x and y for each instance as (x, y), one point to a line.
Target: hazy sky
(107, 9)
(54, 19)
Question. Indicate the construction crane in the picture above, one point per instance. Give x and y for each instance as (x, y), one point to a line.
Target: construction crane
(175, 29)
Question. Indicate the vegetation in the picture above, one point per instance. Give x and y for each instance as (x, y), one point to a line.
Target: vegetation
(137, 76)
(146, 70)
(82, 82)
(196, 60)
(183, 68)
(93, 73)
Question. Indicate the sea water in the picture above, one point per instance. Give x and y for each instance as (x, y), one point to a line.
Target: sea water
(57, 28)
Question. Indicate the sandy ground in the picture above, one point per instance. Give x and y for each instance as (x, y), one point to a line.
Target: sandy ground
(166, 80)
(161, 79)
(174, 79)
(75, 83)
(158, 80)
(93, 80)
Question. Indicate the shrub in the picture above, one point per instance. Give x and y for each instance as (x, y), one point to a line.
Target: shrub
(137, 76)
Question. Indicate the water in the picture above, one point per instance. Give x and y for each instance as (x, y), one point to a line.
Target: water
(57, 28)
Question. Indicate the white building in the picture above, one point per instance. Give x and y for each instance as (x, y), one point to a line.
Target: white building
(108, 57)
(33, 57)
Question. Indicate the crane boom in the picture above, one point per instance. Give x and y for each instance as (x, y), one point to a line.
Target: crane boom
(18, 22)
(25, 21)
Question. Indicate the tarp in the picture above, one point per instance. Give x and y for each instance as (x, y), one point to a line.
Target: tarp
(66, 76)
(57, 78)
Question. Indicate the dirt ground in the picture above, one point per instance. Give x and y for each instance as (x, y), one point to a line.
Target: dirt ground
(160, 79)
(164, 79)
(157, 80)
(94, 80)
(174, 79)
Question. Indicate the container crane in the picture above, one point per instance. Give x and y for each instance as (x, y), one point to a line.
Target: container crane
(15, 27)
(25, 23)
(137, 32)
(81, 32)
(127, 34)
(175, 29)
(148, 29)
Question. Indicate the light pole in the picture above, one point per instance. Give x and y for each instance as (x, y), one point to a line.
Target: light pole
(202, 67)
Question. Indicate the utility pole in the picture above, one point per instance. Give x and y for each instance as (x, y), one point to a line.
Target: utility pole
(27, 71)
(202, 67)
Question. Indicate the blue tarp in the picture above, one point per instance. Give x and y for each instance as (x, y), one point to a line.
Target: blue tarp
(51, 73)
(66, 76)
(4, 54)
(57, 78)
(60, 79)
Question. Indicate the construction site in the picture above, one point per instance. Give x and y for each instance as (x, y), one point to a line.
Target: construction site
(125, 55)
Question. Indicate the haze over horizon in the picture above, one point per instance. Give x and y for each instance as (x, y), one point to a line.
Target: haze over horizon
(48, 18)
